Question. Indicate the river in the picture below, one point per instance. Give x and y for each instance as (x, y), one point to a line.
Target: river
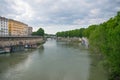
(52, 61)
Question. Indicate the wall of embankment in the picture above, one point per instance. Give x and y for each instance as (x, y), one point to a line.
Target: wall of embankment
(19, 43)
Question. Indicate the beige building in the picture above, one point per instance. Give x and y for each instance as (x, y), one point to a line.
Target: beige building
(17, 28)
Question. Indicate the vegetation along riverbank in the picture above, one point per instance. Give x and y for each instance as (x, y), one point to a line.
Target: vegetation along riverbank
(103, 39)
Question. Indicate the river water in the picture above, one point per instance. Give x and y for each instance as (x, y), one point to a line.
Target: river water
(52, 61)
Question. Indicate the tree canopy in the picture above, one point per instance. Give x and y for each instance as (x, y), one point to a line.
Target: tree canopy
(105, 39)
(71, 33)
(39, 32)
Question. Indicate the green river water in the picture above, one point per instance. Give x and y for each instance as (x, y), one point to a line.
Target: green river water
(52, 61)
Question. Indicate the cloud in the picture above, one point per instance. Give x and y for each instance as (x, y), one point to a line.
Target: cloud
(57, 13)
(22, 10)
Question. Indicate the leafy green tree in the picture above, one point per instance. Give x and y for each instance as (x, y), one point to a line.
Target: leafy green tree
(105, 39)
(71, 33)
(89, 30)
(39, 32)
(34, 33)
(81, 30)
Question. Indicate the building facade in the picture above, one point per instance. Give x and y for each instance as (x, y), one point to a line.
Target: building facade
(30, 31)
(3, 26)
(17, 28)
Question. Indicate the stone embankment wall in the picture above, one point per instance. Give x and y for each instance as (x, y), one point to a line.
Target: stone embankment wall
(4, 41)
(73, 39)
(84, 41)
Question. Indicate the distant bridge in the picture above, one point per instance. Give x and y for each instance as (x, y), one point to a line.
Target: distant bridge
(51, 36)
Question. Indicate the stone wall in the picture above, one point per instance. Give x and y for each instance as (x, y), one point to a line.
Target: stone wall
(20, 41)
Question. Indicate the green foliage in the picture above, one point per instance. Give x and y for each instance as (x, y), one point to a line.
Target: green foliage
(89, 30)
(34, 33)
(39, 32)
(105, 39)
(71, 33)
(81, 34)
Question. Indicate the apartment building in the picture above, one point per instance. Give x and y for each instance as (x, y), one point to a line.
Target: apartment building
(17, 28)
(30, 30)
(3, 26)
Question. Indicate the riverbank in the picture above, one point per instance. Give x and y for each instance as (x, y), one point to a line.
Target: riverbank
(83, 41)
(21, 47)
(74, 39)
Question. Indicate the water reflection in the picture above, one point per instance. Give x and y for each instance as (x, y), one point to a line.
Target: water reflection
(74, 45)
(13, 61)
(96, 69)
(41, 49)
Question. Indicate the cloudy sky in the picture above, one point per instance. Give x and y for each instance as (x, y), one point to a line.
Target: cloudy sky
(59, 15)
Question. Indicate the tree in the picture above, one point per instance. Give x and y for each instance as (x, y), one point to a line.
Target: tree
(105, 39)
(81, 30)
(39, 32)
(89, 30)
(34, 33)
(71, 33)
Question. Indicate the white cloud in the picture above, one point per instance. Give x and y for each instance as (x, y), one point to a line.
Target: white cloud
(95, 11)
(118, 8)
(90, 21)
(96, 21)
(24, 11)
(79, 22)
